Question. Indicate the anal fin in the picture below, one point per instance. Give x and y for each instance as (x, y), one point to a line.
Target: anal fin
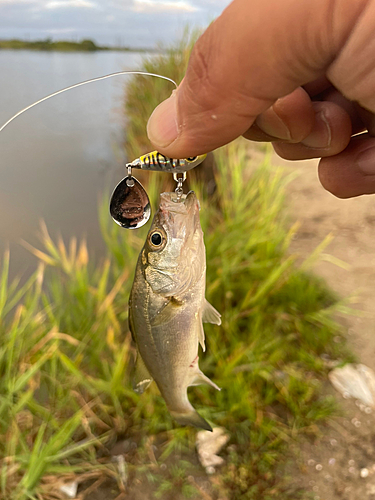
(142, 377)
(200, 378)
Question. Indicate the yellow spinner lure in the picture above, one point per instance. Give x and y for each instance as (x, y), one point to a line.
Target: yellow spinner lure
(130, 206)
(157, 161)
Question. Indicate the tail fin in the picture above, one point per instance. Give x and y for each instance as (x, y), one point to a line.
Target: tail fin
(191, 417)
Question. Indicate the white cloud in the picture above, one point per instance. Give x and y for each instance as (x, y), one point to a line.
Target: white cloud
(12, 2)
(163, 5)
(58, 4)
(60, 31)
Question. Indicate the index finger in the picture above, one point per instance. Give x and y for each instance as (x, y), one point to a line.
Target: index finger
(254, 53)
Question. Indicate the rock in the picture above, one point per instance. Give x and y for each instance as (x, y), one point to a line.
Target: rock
(208, 445)
(356, 381)
(364, 473)
(122, 468)
(69, 489)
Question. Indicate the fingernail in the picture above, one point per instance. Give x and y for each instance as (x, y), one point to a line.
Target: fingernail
(272, 124)
(162, 127)
(366, 161)
(320, 137)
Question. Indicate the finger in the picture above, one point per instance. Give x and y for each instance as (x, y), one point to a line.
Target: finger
(317, 86)
(352, 72)
(352, 172)
(291, 118)
(359, 121)
(322, 90)
(330, 135)
(253, 54)
(366, 117)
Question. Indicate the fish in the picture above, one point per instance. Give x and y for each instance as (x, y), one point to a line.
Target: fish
(167, 306)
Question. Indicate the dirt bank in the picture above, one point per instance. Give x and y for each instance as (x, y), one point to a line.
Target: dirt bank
(331, 467)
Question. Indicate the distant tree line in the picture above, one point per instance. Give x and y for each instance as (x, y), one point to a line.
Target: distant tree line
(62, 45)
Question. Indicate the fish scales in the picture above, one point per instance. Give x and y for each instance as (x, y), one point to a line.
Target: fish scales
(167, 306)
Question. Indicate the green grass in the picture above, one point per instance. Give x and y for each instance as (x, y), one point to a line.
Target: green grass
(66, 354)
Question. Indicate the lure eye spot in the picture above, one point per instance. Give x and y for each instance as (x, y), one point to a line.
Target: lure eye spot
(156, 239)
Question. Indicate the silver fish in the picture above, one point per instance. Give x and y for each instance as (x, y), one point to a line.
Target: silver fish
(167, 306)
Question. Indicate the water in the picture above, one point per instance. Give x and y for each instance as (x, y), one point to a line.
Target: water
(57, 158)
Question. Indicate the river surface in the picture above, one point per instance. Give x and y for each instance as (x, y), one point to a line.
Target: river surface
(56, 159)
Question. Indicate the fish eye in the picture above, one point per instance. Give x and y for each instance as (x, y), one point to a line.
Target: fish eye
(157, 239)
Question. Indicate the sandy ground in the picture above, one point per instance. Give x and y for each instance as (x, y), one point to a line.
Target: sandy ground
(352, 222)
(331, 467)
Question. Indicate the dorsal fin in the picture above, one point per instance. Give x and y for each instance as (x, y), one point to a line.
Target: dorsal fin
(210, 314)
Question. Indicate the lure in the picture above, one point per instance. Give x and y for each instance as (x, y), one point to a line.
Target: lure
(130, 204)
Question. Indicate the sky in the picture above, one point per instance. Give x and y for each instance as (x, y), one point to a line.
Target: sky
(135, 23)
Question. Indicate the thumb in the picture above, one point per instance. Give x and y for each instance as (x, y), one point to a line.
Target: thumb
(254, 53)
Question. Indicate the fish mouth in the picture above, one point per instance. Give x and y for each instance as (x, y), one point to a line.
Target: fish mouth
(179, 215)
(179, 204)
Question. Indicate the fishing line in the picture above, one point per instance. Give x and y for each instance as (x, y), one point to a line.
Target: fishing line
(110, 75)
(130, 205)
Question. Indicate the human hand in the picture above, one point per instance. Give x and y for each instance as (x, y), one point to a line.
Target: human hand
(299, 74)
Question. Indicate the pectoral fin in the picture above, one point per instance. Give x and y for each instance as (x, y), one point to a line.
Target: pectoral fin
(210, 315)
(166, 314)
(142, 377)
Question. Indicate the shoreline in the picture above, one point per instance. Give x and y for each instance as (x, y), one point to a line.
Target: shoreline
(68, 46)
